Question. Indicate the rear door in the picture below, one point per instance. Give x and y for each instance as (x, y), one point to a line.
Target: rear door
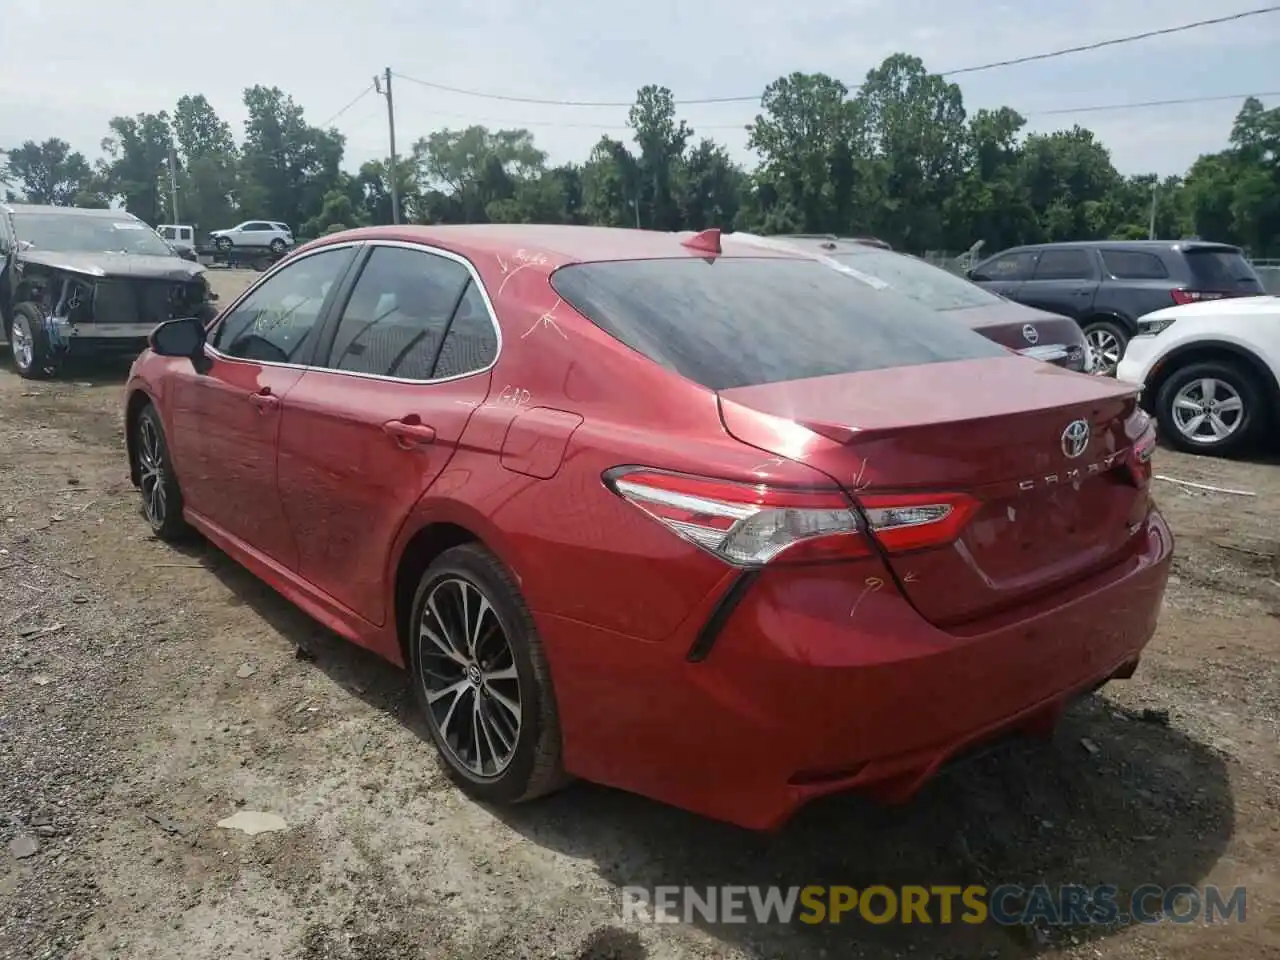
(1004, 274)
(367, 430)
(1064, 281)
(897, 399)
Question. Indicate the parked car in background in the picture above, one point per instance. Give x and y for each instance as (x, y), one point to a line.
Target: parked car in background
(270, 234)
(1106, 286)
(650, 510)
(180, 236)
(87, 283)
(1033, 333)
(1210, 372)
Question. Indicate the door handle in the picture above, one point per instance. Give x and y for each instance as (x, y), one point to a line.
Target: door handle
(409, 435)
(264, 400)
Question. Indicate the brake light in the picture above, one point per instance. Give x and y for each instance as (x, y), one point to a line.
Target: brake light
(755, 524)
(1183, 297)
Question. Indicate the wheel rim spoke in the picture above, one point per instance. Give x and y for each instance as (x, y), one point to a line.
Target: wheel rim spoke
(151, 476)
(469, 677)
(1201, 416)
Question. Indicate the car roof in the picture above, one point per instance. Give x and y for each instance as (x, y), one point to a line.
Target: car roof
(558, 243)
(1150, 246)
(81, 211)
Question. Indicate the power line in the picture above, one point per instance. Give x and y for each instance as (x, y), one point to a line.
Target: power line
(1049, 55)
(510, 123)
(1132, 38)
(1154, 103)
(358, 97)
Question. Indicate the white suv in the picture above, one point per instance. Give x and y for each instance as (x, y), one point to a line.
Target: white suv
(1210, 372)
(272, 234)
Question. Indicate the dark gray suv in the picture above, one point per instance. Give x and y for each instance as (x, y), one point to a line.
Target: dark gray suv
(1106, 285)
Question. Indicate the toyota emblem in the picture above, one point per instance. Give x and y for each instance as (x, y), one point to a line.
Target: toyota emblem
(1075, 438)
(1030, 334)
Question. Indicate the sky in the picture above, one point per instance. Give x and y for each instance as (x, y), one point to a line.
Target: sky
(68, 66)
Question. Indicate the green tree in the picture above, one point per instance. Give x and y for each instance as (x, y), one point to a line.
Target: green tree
(49, 172)
(287, 167)
(136, 168)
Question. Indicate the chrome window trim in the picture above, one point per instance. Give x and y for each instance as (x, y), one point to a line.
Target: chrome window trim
(402, 244)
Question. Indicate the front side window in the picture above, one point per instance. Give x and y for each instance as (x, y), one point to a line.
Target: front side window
(1010, 266)
(396, 319)
(276, 323)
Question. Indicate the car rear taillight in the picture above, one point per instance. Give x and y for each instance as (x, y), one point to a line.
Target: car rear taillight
(1182, 297)
(749, 525)
(914, 521)
(1143, 449)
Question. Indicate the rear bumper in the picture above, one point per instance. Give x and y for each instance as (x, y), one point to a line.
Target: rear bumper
(818, 685)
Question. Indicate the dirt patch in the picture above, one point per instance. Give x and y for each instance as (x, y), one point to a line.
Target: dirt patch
(147, 693)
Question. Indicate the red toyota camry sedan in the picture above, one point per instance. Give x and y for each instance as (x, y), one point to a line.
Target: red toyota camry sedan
(716, 525)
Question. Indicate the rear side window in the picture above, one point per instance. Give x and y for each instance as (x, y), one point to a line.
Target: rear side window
(1064, 265)
(397, 315)
(1134, 265)
(472, 342)
(737, 322)
(1225, 270)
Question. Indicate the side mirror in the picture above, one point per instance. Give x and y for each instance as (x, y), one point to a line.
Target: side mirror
(183, 337)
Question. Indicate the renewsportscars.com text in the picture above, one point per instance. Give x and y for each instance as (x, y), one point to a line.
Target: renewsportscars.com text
(1006, 905)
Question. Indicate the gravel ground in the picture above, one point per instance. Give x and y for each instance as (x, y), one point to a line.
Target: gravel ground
(148, 693)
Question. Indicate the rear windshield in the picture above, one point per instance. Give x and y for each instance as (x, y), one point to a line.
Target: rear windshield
(1222, 270)
(740, 321)
(932, 286)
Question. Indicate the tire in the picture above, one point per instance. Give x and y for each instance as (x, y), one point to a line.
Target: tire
(1233, 382)
(29, 343)
(1106, 337)
(532, 765)
(155, 473)
(277, 246)
(222, 243)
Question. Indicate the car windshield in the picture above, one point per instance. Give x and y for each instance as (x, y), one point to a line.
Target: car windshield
(739, 321)
(72, 233)
(932, 286)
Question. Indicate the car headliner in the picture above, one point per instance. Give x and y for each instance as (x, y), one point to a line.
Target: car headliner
(559, 243)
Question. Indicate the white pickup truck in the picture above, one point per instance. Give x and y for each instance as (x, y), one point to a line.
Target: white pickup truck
(180, 236)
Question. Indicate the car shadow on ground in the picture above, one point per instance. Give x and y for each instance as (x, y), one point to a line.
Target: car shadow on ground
(1117, 798)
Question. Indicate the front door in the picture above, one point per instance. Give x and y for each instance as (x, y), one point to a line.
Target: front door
(1064, 282)
(371, 425)
(1005, 273)
(226, 421)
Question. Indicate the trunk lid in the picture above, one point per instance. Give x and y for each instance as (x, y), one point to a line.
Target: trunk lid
(1035, 333)
(992, 428)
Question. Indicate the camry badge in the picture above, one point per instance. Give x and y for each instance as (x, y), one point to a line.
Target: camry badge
(1030, 334)
(1075, 438)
